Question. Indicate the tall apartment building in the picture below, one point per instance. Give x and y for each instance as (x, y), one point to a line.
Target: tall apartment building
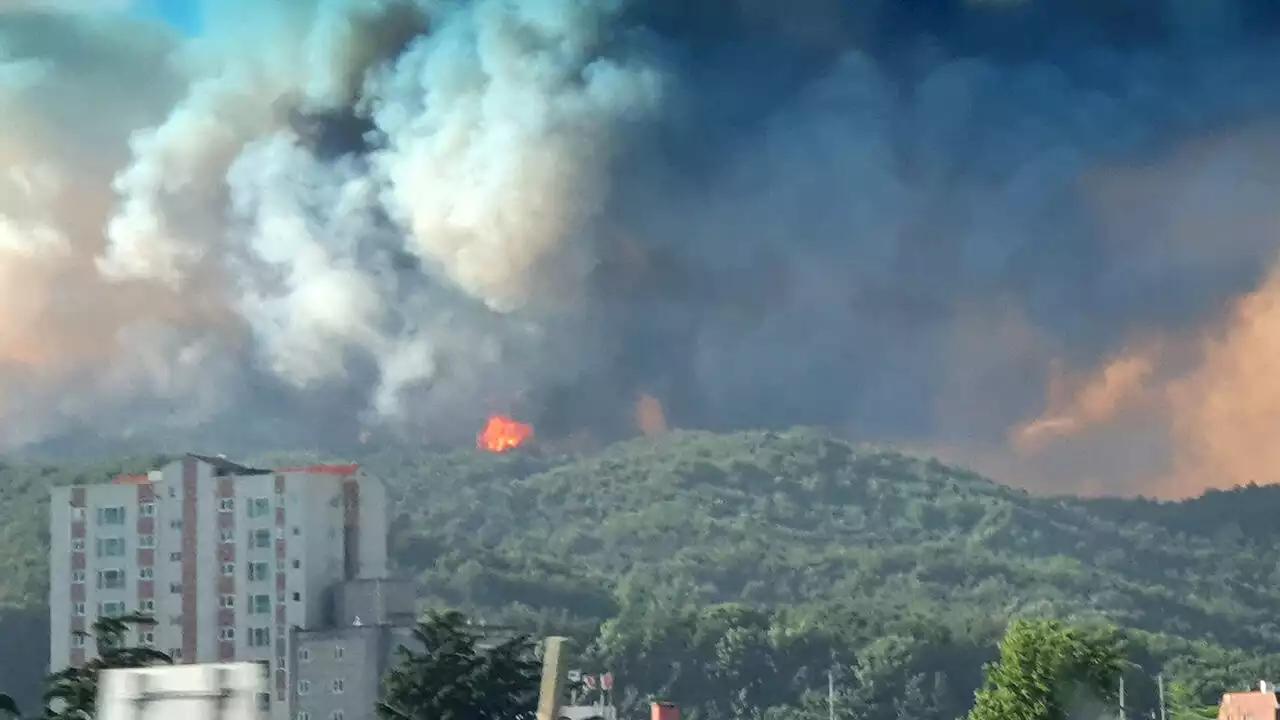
(227, 558)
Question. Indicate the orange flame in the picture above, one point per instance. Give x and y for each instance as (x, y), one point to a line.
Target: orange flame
(502, 433)
(649, 415)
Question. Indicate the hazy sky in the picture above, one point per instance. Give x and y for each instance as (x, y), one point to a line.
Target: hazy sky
(183, 14)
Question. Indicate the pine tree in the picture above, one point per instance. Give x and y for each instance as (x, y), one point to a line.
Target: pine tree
(1046, 669)
(449, 677)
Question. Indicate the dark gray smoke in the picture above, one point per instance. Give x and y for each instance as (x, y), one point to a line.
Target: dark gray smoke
(901, 219)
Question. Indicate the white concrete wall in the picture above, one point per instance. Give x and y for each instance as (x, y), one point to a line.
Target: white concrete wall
(373, 527)
(168, 566)
(247, 490)
(60, 604)
(208, 567)
(98, 498)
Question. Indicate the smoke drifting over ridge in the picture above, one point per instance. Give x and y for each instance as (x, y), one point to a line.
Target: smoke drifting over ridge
(1038, 236)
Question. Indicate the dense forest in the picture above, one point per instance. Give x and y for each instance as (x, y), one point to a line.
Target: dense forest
(731, 573)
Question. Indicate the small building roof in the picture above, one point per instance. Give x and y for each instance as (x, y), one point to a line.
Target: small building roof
(1257, 704)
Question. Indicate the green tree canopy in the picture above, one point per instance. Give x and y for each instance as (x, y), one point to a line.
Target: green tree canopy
(1183, 705)
(732, 572)
(453, 674)
(72, 693)
(1047, 669)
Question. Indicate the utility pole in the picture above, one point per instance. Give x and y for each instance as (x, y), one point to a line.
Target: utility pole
(1160, 687)
(831, 695)
(1122, 713)
(554, 652)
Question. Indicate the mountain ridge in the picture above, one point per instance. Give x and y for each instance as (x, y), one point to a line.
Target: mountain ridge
(796, 522)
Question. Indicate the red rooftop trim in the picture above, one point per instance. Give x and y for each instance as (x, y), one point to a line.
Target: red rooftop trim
(339, 470)
(130, 480)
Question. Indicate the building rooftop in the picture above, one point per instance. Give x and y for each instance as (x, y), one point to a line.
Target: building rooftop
(223, 466)
(1258, 704)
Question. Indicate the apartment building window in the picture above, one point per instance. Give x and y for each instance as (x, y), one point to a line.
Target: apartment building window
(304, 687)
(110, 547)
(77, 545)
(338, 652)
(297, 597)
(147, 509)
(338, 686)
(79, 610)
(228, 536)
(227, 601)
(227, 505)
(259, 507)
(147, 606)
(302, 715)
(77, 577)
(175, 557)
(110, 579)
(175, 588)
(259, 604)
(297, 564)
(175, 654)
(304, 655)
(260, 539)
(228, 569)
(259, 571)
(336, 715)
(175, 619)
(145, 573)
(77, 514)
(110, 609)
(147, 638)
(227, 633)
(111, 515)
(146, 541)
(77, 640)
(175, 524)
(259, 637)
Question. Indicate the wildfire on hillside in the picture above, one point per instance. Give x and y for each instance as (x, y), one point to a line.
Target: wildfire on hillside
(502, 434)
(650, 417)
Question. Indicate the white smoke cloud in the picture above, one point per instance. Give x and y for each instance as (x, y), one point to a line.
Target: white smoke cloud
(303, 292)
(212, 238)
(430, 209)
(499, 132)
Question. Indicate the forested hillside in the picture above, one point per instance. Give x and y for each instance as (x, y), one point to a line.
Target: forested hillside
(731, 572)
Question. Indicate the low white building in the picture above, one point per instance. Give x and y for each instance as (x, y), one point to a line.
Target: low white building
(340, 669)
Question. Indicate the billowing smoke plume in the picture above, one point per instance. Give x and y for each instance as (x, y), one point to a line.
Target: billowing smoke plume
(1038, 235)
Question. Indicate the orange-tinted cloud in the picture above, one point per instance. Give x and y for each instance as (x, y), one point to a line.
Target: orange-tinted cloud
(1176, 412)
(1226, 414)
